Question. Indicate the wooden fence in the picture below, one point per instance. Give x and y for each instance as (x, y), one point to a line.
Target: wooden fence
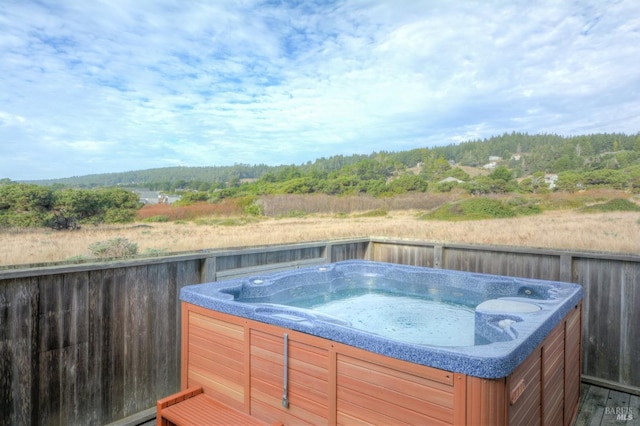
(95, 343)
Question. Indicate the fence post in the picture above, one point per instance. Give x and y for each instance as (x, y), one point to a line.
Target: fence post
(328, 252)
(437, 256)
(208, 270)
(566, 266)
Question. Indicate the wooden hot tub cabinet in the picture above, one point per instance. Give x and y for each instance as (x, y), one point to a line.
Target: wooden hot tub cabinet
(241, 363)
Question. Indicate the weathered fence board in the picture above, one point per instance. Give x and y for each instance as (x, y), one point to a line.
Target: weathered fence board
(406, 254)
(339, 251)
(252, 259)
(612, 319)
(18, 357)
(91, 344)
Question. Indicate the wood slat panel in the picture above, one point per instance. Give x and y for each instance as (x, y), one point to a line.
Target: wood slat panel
(526, 410)
(216, 357)
(307, 378)
(224, 349)
(220, 368)
(366, 389)
(262, 408)
(408, 370)
(553, 377)
(572, 353)
(377, 410)
(225, 391)
(309, 386)
(266, 398)
(486, 401)
(359, 374)
(219, 328)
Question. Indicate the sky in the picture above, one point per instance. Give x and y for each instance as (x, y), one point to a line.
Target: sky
(106, 86)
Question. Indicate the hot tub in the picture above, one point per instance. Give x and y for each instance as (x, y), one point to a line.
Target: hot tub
(345, 332)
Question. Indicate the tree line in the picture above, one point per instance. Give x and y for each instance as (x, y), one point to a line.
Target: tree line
(515, 162)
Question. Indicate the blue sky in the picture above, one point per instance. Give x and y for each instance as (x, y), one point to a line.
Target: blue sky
(115, 85)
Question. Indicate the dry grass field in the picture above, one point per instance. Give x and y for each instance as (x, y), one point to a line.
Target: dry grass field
(559, 229)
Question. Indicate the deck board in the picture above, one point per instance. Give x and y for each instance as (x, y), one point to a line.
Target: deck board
(601, 406)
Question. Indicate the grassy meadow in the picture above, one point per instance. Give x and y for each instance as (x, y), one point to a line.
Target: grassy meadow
(597, 220)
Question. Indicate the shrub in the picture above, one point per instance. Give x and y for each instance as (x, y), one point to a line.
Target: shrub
(190, 198)
(155, 252)
(484, 208)
(157, 218)
(615, 205)
(524, 206)
(117, 247)
(250, 206)
(374, 213)
(253, 210)
(119, 215)
(28, 219)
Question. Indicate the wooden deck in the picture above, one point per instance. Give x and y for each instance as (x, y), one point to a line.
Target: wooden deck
(602, 406)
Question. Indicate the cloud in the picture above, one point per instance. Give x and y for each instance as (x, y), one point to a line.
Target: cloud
(7, 119)
(117, 85)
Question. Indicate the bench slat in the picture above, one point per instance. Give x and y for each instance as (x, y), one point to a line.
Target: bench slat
(201, 409)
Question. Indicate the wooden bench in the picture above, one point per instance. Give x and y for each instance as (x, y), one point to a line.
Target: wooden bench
(194, 407)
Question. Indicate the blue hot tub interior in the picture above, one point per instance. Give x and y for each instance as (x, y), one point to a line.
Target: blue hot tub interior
(509, 316)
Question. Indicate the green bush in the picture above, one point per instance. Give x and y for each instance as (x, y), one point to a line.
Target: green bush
(249, 206)
(189, 198)
(29, 219)
(615, 205)
(119, 215)
(524, 206)
(157, 218)
(117, 247)
(484, 208)
(253, 210)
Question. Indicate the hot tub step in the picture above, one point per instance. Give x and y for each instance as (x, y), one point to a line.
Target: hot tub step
(193, 407)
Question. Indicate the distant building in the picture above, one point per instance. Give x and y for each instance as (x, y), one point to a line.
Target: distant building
(516, 157)
(551, 179)
(153, 197)
(493, 158)
(491, 165)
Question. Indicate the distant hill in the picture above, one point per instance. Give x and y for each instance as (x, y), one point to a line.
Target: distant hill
(523, 154)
